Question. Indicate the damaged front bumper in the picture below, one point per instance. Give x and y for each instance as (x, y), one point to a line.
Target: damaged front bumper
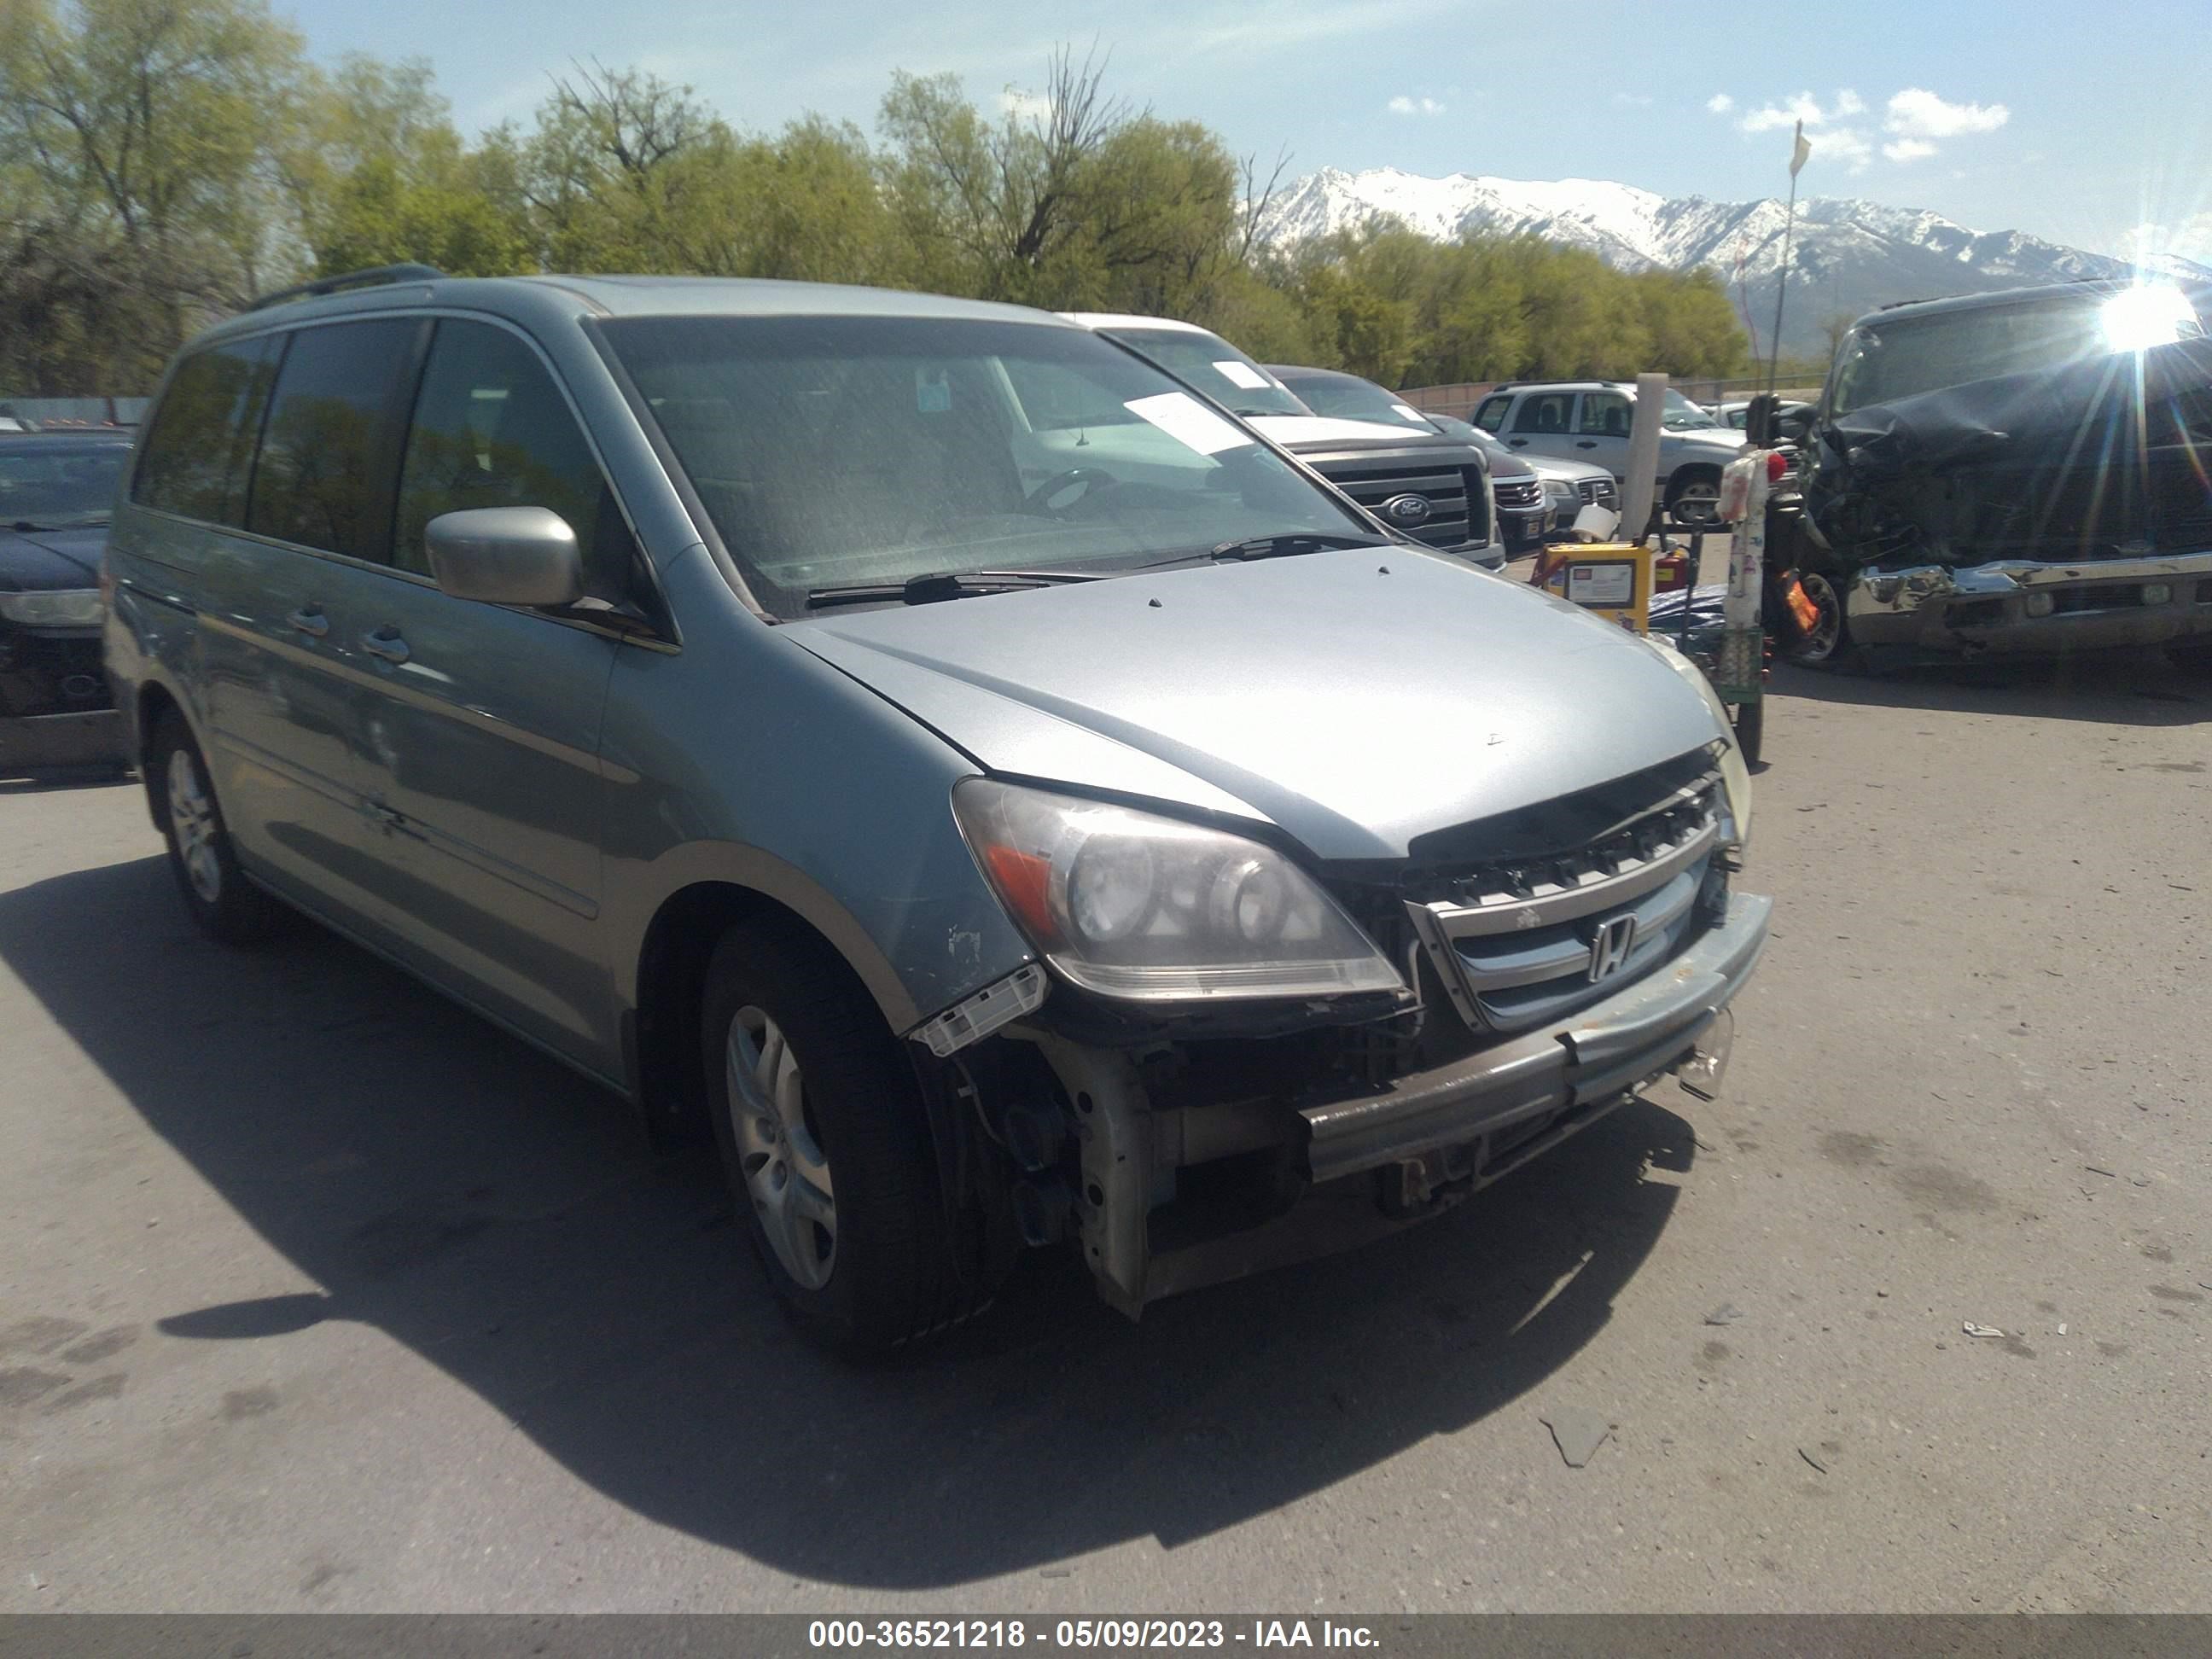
(1376, 1161)
(2025, 607)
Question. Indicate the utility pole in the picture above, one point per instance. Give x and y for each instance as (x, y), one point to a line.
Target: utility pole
(1797, 155)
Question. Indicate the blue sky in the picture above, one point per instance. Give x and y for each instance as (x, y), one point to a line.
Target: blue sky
(2071, 121)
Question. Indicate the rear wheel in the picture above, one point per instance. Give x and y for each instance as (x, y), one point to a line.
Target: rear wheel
(225, 905)
(826, 1144)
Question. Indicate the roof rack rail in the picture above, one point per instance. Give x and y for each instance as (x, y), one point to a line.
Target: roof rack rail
(372, 277)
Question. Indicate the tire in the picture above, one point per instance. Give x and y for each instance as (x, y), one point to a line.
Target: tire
(826, 1144)
(223, 902)
(1693, 497)
(1829, 647)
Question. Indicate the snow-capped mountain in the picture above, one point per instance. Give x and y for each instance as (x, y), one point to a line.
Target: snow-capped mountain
(1845, 256)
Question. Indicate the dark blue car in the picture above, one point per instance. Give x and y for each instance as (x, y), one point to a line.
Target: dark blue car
(57, 490)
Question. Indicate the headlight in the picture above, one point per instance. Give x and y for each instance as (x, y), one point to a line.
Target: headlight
(76, 607)
(1151, 909)
(1736, 776)
(1559, 491)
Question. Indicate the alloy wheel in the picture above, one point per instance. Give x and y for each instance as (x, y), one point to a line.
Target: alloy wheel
(786, 1175)
(191, 821)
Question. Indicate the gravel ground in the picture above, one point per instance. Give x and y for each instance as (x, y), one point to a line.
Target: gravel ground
(316, 1293)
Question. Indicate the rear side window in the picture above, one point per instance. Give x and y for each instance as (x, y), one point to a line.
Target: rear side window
(1491, 415)
(331, 447)
(492, 429)
(1545, 411)
(200, 451)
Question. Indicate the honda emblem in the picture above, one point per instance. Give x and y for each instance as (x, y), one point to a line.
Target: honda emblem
(1616, 937)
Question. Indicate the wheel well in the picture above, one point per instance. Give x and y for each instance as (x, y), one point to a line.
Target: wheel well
(671, 978)
(153, 702)
(1692, 473)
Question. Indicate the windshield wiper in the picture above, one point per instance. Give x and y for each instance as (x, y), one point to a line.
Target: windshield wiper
(1272, 547)
(944, 584)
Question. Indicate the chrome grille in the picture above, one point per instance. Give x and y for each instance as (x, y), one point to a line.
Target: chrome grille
(1512, 942)
(1518, 495)
(1457, 514)
(1598, 492)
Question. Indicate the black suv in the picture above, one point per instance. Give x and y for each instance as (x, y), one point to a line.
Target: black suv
(57, 490)
(2012, 473)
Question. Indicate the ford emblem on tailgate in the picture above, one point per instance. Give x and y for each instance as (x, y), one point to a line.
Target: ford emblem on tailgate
(1407, 510)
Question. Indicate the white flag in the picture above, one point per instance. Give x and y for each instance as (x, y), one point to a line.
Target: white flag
(1798, 155)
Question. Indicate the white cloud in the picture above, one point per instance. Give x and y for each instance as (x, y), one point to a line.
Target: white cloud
(1916, 112)
(1846, 144)
(1632, 100)
(1913, 117)
(1405, 105)
(1803, 107)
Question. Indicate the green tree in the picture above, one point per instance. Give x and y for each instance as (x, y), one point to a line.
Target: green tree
(140, 139)
(380, 175)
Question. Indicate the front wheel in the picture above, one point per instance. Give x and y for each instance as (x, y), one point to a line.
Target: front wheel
(221, 901)
(1695, 500)
(826, 1144)
(1824, 642)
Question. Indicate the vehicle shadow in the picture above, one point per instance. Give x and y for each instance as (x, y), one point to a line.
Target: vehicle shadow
(478, 1204)
(2128, 688)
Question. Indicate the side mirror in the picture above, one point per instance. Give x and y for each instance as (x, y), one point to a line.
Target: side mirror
(1794, 424)
(505, 555)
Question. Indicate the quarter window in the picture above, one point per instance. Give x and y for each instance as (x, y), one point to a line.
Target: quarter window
(1491, 415)
(324, 478)
(492, 429)
(199, 452)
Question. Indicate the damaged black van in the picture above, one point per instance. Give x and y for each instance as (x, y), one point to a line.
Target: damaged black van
(2026, 472)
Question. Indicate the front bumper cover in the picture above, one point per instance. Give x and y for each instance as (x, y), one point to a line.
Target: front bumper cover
(1598, 1054)
(1982, 609)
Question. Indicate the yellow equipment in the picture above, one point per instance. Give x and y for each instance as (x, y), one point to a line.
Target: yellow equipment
(1613, 579)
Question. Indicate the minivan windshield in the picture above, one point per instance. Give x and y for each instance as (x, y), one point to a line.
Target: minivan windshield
(1214, 367)
(831, 450)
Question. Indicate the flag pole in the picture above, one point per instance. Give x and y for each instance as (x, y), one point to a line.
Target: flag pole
(1798, 152)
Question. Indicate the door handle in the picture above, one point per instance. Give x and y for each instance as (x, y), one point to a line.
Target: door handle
(1519, 443)
(386, 644)
(310, 620)
(1585, 443)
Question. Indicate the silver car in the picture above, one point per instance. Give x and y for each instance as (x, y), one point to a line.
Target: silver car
(756, 695)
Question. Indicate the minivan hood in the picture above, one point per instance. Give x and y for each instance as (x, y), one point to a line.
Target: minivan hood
(1357, 699)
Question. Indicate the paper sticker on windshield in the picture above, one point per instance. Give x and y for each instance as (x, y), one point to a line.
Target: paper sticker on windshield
(933, 391)
(1241, 375)
(1188, 422)
(1408, 411)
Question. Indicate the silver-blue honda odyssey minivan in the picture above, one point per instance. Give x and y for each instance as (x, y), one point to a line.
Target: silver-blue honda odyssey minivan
(999, 795)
